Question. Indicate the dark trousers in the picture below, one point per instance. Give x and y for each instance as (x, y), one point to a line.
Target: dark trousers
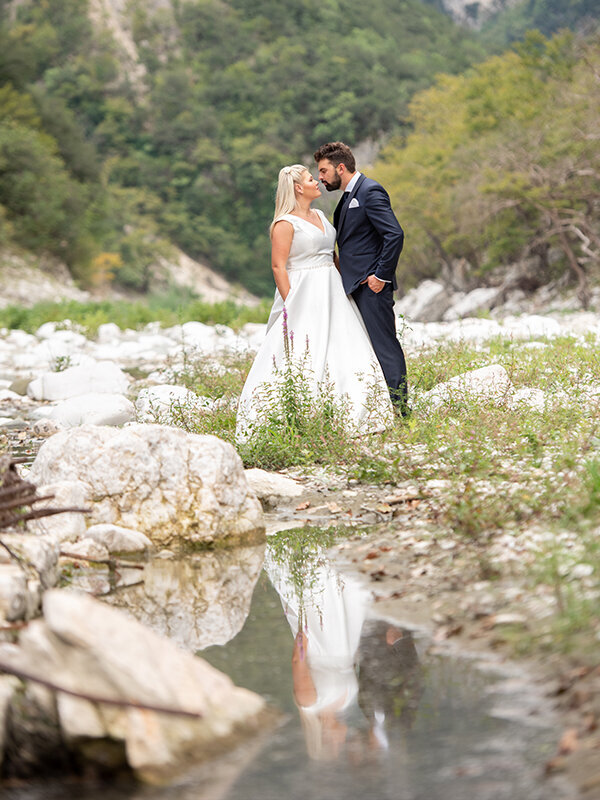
(377, 311)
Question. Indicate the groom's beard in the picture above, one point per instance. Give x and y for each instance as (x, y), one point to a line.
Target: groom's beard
(335, 183)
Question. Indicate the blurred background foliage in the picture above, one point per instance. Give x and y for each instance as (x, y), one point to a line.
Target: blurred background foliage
(104, 163)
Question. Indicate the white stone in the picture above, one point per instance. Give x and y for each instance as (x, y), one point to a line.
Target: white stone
(91, 409)
(98, 377)
(47, 427)
(532, 326)
(87, 549)
(117, 539)
(108, 333)
(167, 402)
(13, 593)
(534, 398)
(580, 571)
(167, 483)
(86, 647)
(427, 302)
(68, 526)
(481, 299)
(6, 394)
(269, 484)
(40, 552)
(490, 384)
(254, 333)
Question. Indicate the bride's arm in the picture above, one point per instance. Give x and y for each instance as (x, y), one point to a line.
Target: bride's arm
(336, 260)
(281, 242)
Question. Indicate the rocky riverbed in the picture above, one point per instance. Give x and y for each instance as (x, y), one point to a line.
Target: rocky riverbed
(90, 402)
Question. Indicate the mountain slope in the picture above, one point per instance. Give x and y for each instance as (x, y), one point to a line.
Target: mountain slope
(167, 122)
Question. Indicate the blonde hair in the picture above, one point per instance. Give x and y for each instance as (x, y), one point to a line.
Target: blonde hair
(285, 199)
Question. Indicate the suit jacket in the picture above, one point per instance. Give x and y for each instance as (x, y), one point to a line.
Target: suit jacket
(369, 236)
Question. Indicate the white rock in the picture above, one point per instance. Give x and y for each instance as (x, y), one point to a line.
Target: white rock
(481, 299)
(532, 326)
(254, 333)
(41, 552)
(98, 377)
(108, 333)
(167, 483)
(472, 330)
(66, 527)
(88, 549)
(582, 571)
(13, 593)
(117, 539)
(47, 427)
(167, 402)
(425, 303)
(84, 646)
(6, 394)
(485, 384)
(91, 409)
(269, 484)
(534, 398)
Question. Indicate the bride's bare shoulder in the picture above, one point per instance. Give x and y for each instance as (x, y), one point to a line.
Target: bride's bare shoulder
(283, 224)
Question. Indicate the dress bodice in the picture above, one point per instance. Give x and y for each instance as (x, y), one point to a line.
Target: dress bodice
(311, 248)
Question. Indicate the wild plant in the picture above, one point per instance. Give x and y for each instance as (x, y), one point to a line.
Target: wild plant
(294, 418)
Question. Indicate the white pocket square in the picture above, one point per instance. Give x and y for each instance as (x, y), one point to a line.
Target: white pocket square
(353, 203)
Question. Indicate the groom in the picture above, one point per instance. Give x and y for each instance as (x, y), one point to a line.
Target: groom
(369, 240)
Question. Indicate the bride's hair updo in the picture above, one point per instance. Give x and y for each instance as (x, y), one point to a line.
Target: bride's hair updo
(285, 199)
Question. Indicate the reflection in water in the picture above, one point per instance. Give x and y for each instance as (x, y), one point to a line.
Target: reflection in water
(369, 712)
(200, 600)
(334, 670)
(390, 681)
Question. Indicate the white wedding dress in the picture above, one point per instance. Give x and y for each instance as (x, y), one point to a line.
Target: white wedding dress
(321, 316)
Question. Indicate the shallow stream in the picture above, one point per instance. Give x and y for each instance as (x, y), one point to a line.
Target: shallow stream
(369, 708)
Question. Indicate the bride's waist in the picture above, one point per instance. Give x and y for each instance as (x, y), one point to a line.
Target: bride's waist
(315, 263)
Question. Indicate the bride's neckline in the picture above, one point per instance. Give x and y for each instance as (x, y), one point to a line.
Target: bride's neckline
(318, 227)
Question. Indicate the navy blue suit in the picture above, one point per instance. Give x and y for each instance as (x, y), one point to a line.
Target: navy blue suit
(370, 239)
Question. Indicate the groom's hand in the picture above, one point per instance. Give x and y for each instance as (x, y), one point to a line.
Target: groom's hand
(374, 284)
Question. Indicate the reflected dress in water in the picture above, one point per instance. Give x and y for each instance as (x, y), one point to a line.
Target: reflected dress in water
(327, 610)
(320, 314)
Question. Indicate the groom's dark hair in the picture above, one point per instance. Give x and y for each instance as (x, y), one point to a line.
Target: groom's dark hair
(337, 153)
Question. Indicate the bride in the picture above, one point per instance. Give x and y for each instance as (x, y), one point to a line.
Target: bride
(311, 310)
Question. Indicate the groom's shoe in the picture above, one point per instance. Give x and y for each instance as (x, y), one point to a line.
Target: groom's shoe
(402, 412)
(400, 405)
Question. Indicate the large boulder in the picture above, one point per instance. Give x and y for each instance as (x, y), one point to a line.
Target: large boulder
(127, 675)
(427, 302)
(474, 302)
(94, 408)
(90, 377)
(171, 485)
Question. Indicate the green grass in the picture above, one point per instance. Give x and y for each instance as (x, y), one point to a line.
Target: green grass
(169, 309)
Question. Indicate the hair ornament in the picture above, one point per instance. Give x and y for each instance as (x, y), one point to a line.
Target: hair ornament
(287, 170)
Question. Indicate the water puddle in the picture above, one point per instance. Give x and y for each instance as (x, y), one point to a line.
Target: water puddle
(369, 708)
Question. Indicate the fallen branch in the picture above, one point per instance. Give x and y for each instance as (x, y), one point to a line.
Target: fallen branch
(107, 701)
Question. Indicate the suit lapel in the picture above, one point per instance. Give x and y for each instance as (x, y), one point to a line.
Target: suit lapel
(347, 204)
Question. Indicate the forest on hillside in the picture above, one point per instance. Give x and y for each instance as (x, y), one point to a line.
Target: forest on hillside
(104, 166)
(503, 164)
